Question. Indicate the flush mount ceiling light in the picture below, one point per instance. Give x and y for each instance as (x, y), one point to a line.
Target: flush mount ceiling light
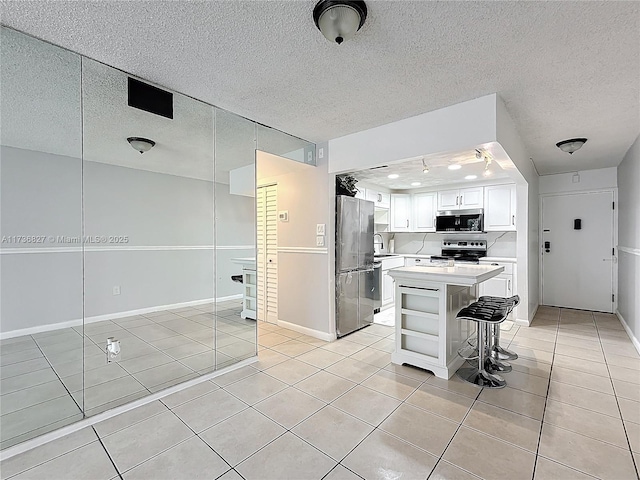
(141, 144)
(339, 20)
(393, 176)
(571, 145)
(425, 169)
(454, 166)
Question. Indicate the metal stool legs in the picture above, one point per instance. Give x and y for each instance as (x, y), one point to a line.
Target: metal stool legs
(480, 376)
(496, 351)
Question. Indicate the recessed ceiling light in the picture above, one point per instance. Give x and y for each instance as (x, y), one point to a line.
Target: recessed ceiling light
(393, 176)
(455, 166)
(415, 184)
(470, 177)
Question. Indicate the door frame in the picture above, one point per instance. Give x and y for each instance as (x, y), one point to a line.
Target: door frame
(614, 240)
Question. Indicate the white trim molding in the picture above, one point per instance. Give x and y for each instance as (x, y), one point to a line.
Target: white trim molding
(121, 248)
(111, 316)
(312, 250)
(634, 340)
(632, 251)
(327, 337)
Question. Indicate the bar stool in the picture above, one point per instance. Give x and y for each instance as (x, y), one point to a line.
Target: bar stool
(497, 352)
(486, 315)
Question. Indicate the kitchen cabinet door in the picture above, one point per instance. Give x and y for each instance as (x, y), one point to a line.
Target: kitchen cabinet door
(496, 286)
(400, 213)
(448, 200)
(472, 197)
(388, 290)
(361, 193)
(424, 212)
(500, 208)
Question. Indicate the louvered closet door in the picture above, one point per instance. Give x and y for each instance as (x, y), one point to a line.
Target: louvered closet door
(267, 260)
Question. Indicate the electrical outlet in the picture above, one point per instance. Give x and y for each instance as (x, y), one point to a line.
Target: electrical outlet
(116, 290)
(320, 241)
(320, 229)
(321, 153)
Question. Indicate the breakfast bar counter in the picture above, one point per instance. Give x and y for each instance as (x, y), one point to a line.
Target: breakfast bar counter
(428, 335)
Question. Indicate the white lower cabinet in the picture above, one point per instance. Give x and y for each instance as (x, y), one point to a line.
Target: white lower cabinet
(388, 290)
(500, 286)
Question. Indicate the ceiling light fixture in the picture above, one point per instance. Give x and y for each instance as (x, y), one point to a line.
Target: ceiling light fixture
(478, 154)
(339, 20)
(393, 176)
(454, 166)
(571, 145)
(425, 169)
(470, 177)
(141, 144)
(415, 184)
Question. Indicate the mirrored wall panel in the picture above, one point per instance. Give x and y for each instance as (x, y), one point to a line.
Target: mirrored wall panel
(41, 229)
(148, 221)
(235, 230)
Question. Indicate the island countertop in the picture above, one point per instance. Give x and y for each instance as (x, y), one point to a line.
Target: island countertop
(467, 274)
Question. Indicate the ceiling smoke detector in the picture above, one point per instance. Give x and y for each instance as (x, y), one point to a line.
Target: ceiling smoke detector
(339, 20)
(571, 145)
(141, 144)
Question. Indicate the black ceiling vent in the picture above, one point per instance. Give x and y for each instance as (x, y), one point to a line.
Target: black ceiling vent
(150, 99)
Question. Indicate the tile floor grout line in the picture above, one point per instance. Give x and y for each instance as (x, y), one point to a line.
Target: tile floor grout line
(107, 453)
(624, 426)
(546, 399)
(454, 435)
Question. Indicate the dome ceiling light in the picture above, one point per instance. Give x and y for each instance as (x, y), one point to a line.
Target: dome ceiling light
(571, 145)
(339, 20)
(141, 144)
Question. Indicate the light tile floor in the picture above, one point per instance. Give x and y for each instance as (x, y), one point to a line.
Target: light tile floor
(571, 411)
(43, 388)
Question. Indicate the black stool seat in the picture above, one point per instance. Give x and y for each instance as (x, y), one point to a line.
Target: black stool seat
(510, 303)
(237, 278)
(484, 312)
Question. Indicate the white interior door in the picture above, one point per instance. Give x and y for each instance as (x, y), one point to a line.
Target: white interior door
(577, 266)
(267, 258)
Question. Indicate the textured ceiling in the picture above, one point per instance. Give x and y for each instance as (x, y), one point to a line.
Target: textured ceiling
(564, 69)
(411, 170)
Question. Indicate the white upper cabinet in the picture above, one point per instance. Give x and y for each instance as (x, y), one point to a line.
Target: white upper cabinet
(472, 197)
(424, 212)
(500, 208)
(461, 199)
(382, 200)
(361, 193)
(400, 213)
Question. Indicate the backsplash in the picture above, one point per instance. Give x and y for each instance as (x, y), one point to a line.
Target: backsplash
(500, 244)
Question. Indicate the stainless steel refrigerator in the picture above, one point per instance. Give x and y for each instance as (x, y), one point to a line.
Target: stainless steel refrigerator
(356, 286)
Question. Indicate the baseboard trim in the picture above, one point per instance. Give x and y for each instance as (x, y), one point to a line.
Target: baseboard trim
(634, 340)
(110, 316)
(522, 322)
(152, 397)
(327, 337)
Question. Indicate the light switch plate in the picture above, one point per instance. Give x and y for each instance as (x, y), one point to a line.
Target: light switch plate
(320, 229)
(283, 216)
(320, 241)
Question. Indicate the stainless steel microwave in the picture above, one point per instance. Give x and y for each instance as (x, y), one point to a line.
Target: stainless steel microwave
(460, 221)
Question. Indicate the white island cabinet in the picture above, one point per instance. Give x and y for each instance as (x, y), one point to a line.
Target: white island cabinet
(249, 287)
(428, 298)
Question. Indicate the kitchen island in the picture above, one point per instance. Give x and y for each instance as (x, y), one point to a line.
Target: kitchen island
(428, 335)
(249, 287)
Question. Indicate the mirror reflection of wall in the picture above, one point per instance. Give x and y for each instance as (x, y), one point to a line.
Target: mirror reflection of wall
(151, 284)
(41, 227)
(152, 253)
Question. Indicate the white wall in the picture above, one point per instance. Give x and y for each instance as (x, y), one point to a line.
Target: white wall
(168, 258)
(527, 221)
(305, 292)
(629, 240)
(458, 127)
(587, 180)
